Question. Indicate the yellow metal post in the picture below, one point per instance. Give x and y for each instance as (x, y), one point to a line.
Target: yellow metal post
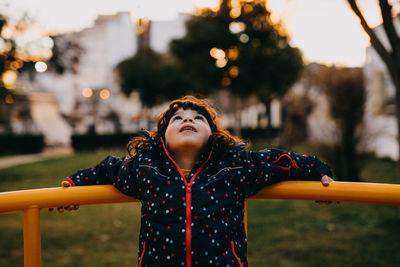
(32, 244)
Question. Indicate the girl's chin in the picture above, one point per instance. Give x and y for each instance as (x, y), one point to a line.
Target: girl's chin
(188, 144)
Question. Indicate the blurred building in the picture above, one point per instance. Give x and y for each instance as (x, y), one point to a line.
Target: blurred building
(162, 32)
(88, 93)
(380, 120)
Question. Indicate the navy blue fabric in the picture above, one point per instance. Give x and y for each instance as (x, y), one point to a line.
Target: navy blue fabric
(218, 194)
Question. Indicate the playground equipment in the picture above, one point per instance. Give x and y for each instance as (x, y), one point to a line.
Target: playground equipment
(30, 202)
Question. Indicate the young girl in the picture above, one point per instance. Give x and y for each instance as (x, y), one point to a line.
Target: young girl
(192, 178)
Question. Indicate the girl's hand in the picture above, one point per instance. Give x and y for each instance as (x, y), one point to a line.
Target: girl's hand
(65, 184)
(325, 180)
(70, 207)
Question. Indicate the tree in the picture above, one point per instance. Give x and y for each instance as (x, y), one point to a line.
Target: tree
(391, 55)
(239, 48)
(345, 86)
(152, 75)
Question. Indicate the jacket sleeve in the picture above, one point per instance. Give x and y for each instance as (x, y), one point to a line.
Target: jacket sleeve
(120, 172)
(273, 165)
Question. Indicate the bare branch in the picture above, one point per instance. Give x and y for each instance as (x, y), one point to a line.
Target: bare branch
(386, 11)
(375, 42)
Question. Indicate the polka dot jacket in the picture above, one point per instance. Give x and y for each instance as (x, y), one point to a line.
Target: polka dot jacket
(198, 220)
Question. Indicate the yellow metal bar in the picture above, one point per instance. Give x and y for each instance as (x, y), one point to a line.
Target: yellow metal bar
(32, 245)
(31, 201)
(55, 197)
(375, 193)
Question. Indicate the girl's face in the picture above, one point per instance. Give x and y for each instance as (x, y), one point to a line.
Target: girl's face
(187, 128)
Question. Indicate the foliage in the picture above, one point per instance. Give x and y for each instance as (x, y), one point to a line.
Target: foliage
(345, 86)
(95, 141)
(155, 77)
(21, 144)
(252, 54)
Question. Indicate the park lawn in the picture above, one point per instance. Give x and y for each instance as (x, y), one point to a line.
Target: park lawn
(280, 232)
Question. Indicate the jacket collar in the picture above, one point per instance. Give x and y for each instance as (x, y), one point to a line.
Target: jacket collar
(240, 146)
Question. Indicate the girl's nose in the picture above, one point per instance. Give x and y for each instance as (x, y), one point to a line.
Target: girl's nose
(187, 119)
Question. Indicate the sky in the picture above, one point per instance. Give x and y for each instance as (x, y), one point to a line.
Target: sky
(326, 31)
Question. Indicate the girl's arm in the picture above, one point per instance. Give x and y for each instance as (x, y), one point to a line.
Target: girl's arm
(273, 165)
(120, 172)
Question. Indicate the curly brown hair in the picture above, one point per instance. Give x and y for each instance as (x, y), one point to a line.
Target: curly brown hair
(220, 138)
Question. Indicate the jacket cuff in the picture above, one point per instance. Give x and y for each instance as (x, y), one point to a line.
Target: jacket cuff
(68, 179)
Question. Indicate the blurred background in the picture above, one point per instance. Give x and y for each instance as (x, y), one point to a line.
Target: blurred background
(287, 71)
(88, 75)
(79, 78)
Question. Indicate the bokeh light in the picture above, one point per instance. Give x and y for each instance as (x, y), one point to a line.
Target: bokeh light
(87, 92)
(247, 8)
(233, 53)
(236, 9)
(217, 53)
(226, 81)
(104, 94)
(9, 78)
(235, 13)
(236, 27)
(234, 71)
(7, 33)
(244, 38)
(9, 99)
(220, 63)
(40, 66)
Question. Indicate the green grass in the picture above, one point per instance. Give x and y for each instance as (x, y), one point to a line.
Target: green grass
(280, 232)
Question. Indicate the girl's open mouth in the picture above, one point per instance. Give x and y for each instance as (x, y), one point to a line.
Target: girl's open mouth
(187, 128)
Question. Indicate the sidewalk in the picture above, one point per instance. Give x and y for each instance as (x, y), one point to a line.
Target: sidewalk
(50, 152)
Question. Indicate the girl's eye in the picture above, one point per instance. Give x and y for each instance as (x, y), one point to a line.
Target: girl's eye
(176, 118)
(199, 118)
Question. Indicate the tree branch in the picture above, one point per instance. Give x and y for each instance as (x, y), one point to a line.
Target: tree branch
(386, 11)
(375, 42)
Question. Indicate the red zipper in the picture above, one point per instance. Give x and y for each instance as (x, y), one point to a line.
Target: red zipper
(234, 253)
(188, 226)
(141, 256)
(188, 187)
